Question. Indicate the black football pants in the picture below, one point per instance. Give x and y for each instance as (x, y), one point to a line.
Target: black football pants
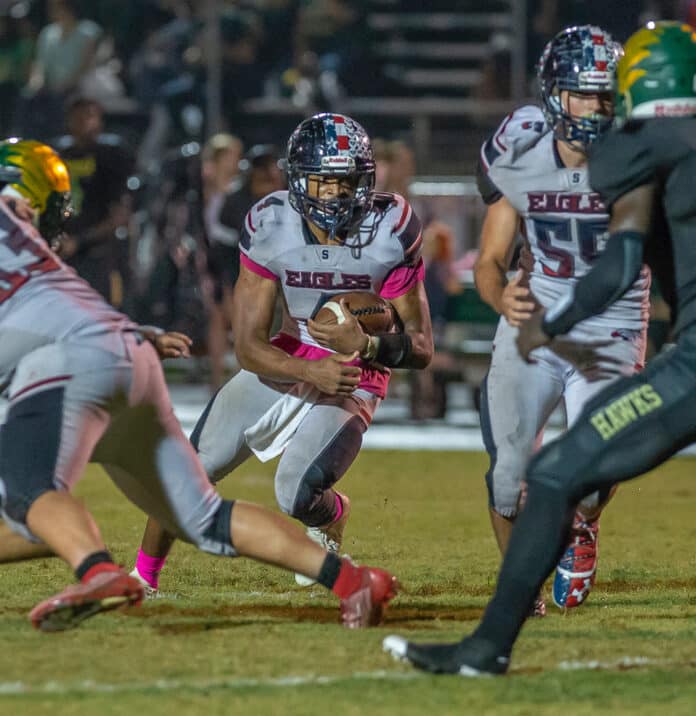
(629, 428)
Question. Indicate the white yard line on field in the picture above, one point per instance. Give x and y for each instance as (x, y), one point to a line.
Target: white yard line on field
(19, 688)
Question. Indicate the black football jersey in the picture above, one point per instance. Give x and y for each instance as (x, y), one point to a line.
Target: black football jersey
(661, 151)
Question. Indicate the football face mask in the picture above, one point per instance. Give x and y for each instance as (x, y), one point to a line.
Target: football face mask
(582, 61)
(336, 149)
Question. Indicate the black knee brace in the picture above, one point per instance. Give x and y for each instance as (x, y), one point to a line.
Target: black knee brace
(315, 502)
(314, 506)
(29, 444)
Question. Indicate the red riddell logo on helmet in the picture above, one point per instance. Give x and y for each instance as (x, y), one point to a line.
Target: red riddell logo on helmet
(675, 110)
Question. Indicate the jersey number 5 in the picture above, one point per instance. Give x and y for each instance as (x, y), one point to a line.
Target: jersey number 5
(562, 240)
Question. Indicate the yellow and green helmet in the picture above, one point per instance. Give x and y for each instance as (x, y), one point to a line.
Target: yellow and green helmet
(37, 173)
(656, 77)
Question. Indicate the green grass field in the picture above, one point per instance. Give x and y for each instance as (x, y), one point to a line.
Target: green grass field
(233, 637)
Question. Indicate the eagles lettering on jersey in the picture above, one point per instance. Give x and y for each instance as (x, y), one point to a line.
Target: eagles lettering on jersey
(564, 219)
(383, 256)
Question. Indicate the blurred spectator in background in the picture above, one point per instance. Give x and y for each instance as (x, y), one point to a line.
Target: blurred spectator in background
(171, 241)
(308, 87)
(260, 175)
(335, 31)
(278, 17)
(687, 11)
(66, 51)
(380, 149)
(97, 240)
(495, 69)
(221, 156)
(16, 52)
(428, 386)
(166, 76)
(243, 72)
(400, 170)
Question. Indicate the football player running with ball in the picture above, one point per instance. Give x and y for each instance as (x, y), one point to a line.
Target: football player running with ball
(86, 384)
(644, 171)
(533, 174)
(309, 392)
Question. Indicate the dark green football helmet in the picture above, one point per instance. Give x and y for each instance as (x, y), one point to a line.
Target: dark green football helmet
(657, 73)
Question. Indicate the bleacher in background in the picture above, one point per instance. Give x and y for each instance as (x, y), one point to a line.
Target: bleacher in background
(438, 48)
(450, 71)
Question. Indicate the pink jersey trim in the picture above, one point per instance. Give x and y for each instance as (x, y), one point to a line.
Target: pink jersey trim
(257, 268)
(402, 279)
(372, 380)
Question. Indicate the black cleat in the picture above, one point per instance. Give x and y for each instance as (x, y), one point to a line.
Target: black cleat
(469, 657)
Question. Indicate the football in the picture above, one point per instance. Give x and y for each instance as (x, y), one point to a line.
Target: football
(375, 314)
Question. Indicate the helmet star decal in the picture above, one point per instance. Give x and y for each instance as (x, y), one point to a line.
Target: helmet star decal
(330, 146)
(579, 59)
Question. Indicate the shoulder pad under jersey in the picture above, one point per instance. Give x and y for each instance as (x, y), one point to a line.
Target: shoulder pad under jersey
(259, 233)
(403, 223)
(518, 132)
(264, 215)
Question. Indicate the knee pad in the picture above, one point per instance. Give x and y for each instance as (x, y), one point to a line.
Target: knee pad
(29, 444)
(217, 537)
(306, 499)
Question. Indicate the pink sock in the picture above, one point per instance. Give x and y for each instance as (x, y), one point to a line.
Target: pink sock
(339, 508)
(149, 567)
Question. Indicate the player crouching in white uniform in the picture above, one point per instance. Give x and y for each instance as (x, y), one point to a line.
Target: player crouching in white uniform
(84, 384)
(533, 176)
(309, 393)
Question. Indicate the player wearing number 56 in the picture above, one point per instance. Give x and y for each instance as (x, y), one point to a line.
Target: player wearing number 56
(533, 177)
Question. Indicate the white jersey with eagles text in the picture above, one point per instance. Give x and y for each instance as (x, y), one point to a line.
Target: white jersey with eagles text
(566, 226)
(43, 301)
(381, 256)
(564, 221)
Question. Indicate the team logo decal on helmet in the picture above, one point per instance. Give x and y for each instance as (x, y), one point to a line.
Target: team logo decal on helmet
(578, 59)
(42, 178)
(331, 145)
(657, 74)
